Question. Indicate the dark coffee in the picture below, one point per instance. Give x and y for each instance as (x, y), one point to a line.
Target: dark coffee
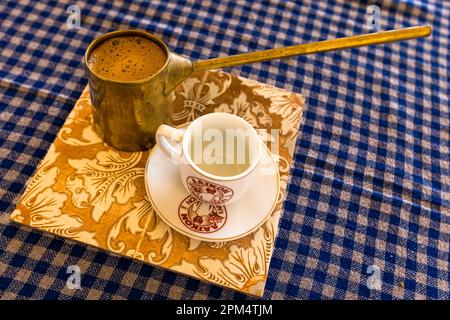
(127, 58)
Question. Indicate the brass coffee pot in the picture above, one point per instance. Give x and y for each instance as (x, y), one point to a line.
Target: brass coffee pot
(127, 113)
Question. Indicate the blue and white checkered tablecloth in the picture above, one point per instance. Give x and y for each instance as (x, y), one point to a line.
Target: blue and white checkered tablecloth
(370, 187)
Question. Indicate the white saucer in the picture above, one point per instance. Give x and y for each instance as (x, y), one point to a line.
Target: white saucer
(172, 203)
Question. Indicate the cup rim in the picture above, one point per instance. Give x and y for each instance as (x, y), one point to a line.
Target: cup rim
(117, 33)
(241, 175)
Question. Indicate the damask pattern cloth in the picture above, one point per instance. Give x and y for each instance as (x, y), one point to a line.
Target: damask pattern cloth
(369, 188)
(88, 191)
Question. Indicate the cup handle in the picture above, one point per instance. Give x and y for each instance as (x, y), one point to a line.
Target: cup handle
(166, 133)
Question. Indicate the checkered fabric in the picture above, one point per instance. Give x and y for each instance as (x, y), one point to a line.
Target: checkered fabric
(370, 187)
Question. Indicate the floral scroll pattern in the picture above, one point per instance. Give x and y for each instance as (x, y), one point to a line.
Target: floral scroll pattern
(287, 105)
(87, 191)
(252, 111)
(199, 93)
(42, 205)
(244, 269)
(104, 180)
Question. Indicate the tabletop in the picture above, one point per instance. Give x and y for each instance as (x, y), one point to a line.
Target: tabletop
(367, 212)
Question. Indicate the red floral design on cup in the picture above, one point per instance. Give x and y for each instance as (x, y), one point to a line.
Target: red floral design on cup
(209, 192)
(203, 210)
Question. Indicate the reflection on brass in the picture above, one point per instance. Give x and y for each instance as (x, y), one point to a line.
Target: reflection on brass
(127, 114)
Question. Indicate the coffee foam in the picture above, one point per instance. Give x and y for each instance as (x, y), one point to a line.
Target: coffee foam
(127, 58)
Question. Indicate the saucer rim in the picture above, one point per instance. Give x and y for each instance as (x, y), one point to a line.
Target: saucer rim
(185, 233)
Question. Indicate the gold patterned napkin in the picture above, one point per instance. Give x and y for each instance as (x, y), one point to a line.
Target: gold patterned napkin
(87, 191)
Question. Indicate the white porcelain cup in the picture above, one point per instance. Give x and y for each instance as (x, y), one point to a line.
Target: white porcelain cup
(217, 155)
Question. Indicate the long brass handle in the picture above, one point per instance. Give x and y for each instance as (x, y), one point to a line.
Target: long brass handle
(314, 47)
